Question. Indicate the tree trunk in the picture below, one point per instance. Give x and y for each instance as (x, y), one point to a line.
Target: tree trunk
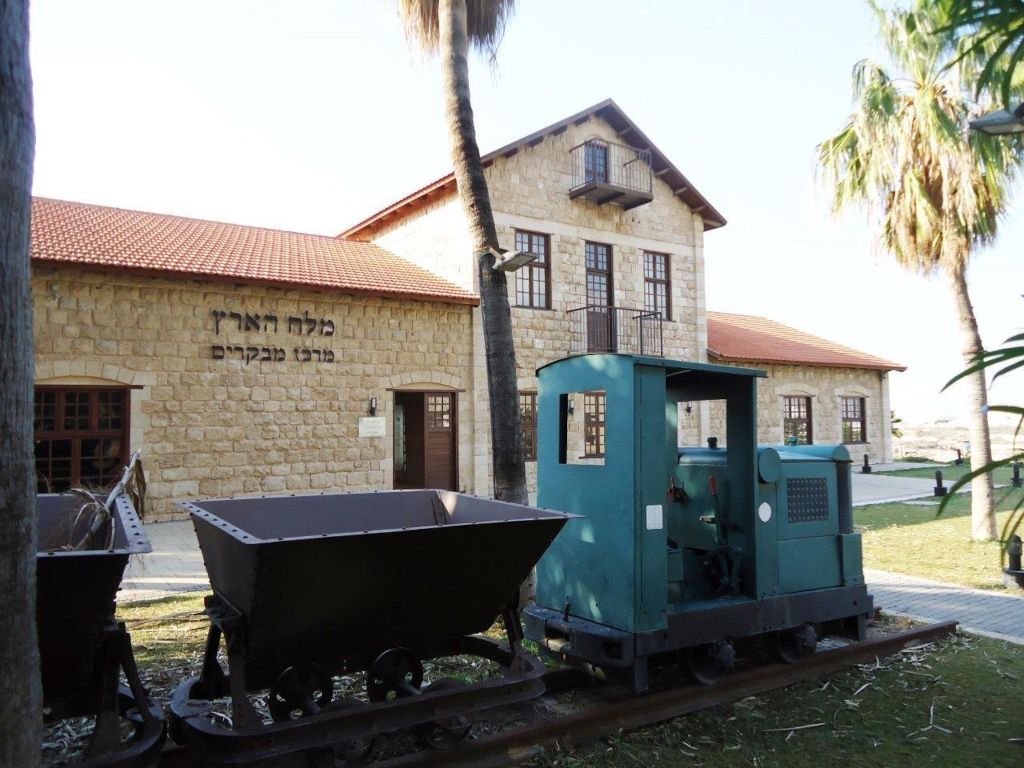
(506, 429)
(20, 693)
(983, 518)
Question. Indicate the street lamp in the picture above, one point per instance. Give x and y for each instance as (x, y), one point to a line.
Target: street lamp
(1001, 123)
(510, 261)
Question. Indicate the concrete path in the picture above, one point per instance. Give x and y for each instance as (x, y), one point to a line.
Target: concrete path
(174, 565)
(881, 489)
(994, 614)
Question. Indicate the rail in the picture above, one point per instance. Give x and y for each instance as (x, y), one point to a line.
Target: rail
(628, 712)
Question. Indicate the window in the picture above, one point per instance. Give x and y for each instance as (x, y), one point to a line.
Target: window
(854, 423)
(439, 411)
(533, 287)
(528, 419)
(656, 284)
(81, 437)
(797, 420)
(595, 161)
(593, 425)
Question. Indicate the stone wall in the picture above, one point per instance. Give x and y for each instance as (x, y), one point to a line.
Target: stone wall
(220, 427)
(530, 190)
(826, 387)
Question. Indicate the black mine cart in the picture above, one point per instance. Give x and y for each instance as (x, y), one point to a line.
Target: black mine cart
(84, 545)
(308, 587)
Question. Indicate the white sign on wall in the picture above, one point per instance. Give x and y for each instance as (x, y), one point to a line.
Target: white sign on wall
(372, 426)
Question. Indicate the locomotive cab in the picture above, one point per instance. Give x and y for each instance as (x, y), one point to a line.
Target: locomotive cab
(682, 547)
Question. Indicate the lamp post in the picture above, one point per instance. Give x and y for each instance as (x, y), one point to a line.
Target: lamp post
(1001, 123)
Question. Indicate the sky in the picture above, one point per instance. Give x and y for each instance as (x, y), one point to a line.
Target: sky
(309, 115)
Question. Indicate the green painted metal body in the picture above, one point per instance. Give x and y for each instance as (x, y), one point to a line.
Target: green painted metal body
(640, 553)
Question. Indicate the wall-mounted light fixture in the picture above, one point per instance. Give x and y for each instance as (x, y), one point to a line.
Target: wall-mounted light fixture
(373, 406)
(572, 407)
(689, 407)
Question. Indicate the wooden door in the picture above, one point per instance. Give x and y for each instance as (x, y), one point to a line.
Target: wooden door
(601, 330)
(440, 441)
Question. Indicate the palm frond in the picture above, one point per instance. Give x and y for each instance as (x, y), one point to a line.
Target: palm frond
(485, 23)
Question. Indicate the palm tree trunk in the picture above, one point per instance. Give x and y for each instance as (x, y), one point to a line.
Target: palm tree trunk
(506, 430)
(20, 694)
(983, 519)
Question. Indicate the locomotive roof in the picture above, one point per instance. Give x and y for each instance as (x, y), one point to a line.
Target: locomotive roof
(674, 365)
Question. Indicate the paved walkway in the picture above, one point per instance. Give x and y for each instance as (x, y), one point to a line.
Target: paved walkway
(174, 565)
(994, 614)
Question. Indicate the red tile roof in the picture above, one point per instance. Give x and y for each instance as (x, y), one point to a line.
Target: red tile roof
(607, 110)
(113, 238)
(749, 338)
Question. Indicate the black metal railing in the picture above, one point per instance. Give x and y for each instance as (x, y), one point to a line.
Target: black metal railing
(596, 328)
(596, 162)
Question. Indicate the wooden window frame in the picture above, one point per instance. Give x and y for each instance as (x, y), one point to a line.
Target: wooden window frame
(788, 419)
(666, 311)
(608, 273)
(848, 422)
(527, 272)
(528, 422)
(92, 432)
(595, 424)
(592, 150)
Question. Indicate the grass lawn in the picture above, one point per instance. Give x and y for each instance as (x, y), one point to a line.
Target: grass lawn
(955, 706)
(908, 538)
(950, 473)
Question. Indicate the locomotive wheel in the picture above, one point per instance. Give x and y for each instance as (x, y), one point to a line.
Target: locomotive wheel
(301, 690)
(448, 731)
(792, 645)
(396, 673)
(346, 753)
(707, 663)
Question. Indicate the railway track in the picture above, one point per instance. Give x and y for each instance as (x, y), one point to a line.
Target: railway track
(631, 712)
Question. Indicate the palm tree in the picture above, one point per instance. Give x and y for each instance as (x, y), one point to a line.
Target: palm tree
(449, 27)
(21, 707)
(994, 31)
(934, 190)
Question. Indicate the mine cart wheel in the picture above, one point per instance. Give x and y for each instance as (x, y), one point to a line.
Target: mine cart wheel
(299, 691)
(346, 753)
(395, 674)
(792, 645)
(707, 663)
(448, 731)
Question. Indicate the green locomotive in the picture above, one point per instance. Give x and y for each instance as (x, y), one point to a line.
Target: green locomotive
(684, 549)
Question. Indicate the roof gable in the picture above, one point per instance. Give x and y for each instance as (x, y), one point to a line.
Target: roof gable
(750, 338)
(608, 111)
(113, 238)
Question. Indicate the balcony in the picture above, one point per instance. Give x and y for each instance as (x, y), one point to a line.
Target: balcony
(614, 329)
(603, 172)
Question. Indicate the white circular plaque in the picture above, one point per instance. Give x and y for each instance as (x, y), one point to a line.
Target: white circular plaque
(764, 512)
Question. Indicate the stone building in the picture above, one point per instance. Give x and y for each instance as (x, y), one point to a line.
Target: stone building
(620, 235)
(817, 391)
(240, 360)
(246, 360)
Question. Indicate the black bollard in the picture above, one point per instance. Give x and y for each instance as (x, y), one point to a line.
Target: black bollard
(959, 458)
(1016, 481)
(1013, 574)
(940, 489)
(866, 469)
